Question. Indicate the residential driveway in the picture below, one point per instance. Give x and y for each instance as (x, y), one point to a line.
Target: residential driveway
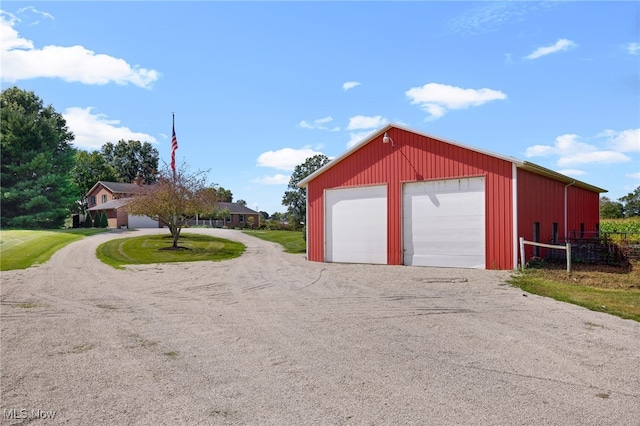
(270, 338)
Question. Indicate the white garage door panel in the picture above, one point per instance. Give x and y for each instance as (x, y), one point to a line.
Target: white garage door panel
(356, 225)
(136, 221)
(444, 223)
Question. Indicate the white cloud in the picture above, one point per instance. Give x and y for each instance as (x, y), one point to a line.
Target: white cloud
(319, 124)
(486, 17)
(633, 175)
(277, 179)
(35, 11)
(9, 37)
(572, 172)
(573, 152)
(350, 85)
(633, 48)
(356, 137)
(360, 122)
(286, 158)
(625, 141)
(437, 99)
(91, 131)
(559, 46)
(564, 145)
(22, 61)
(362, 126)
(599, 157)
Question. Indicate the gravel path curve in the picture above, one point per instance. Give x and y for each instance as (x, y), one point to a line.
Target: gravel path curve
(272, 339)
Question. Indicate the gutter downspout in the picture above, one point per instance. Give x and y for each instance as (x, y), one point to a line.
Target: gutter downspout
(566, 230)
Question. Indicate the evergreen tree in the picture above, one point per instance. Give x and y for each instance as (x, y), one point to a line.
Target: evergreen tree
(36, 157)
(104, 222)
(88, 222)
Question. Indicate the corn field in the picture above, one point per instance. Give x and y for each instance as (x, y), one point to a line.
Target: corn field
(625, 233)
(629, 226)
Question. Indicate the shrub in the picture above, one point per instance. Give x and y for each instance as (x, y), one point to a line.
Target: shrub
(88, 222)
(104, 223)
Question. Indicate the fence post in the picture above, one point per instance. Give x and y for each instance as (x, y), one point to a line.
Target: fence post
(568, 258)
(522, 252)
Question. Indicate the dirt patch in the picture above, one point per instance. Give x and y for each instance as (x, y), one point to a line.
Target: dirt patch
(598, 276)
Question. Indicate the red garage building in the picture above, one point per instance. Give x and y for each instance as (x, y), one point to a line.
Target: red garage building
(401, 197)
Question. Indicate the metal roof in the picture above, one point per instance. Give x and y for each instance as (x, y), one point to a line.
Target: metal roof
(519, 163)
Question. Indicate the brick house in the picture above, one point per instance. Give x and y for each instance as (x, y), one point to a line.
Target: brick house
(112, 198)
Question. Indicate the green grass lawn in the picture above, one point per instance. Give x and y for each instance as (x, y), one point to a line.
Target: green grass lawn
(157, 249)
(600, 295)
(292, 241)
(20, 249)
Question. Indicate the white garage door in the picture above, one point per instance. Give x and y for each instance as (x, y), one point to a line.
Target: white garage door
(142, 222)
(444, 223)
(356, 225)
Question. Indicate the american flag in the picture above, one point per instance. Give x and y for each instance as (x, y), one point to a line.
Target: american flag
(174, 147)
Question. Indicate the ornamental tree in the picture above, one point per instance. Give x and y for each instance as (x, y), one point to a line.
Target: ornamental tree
(174, 199)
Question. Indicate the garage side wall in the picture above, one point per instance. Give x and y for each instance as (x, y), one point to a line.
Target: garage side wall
(416, 158)
(541, 205)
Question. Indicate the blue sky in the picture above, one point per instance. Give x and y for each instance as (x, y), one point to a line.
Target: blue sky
(258, 87)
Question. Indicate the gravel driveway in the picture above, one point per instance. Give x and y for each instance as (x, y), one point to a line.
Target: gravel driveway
(270, 338)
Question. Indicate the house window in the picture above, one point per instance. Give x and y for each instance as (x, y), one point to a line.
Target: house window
(554, 233)
(104, 198)
(536, 238)
(92, 200)
(241, 218)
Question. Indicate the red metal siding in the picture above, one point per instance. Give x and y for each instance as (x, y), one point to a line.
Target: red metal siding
(541, 199)
(414, 158)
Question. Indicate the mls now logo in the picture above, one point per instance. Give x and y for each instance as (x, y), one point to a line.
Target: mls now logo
(22, 414)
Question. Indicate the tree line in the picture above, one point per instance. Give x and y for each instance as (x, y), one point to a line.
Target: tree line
(627, 206)
(44, 178)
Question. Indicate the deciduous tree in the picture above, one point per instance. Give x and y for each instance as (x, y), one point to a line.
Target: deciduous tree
(610, 209)
(131, 159)
(631, 203)
(296, 198)
(174, 199)
(89, 168)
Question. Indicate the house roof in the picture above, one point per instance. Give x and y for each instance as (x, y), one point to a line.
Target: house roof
(111, 205)
(235, 208)
(525, 165)
(118, 187)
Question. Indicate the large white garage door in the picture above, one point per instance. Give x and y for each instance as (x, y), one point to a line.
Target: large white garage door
(356, 225)
(444, 223)
(136, 221)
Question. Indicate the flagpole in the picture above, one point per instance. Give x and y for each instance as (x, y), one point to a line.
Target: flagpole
(174, 145)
